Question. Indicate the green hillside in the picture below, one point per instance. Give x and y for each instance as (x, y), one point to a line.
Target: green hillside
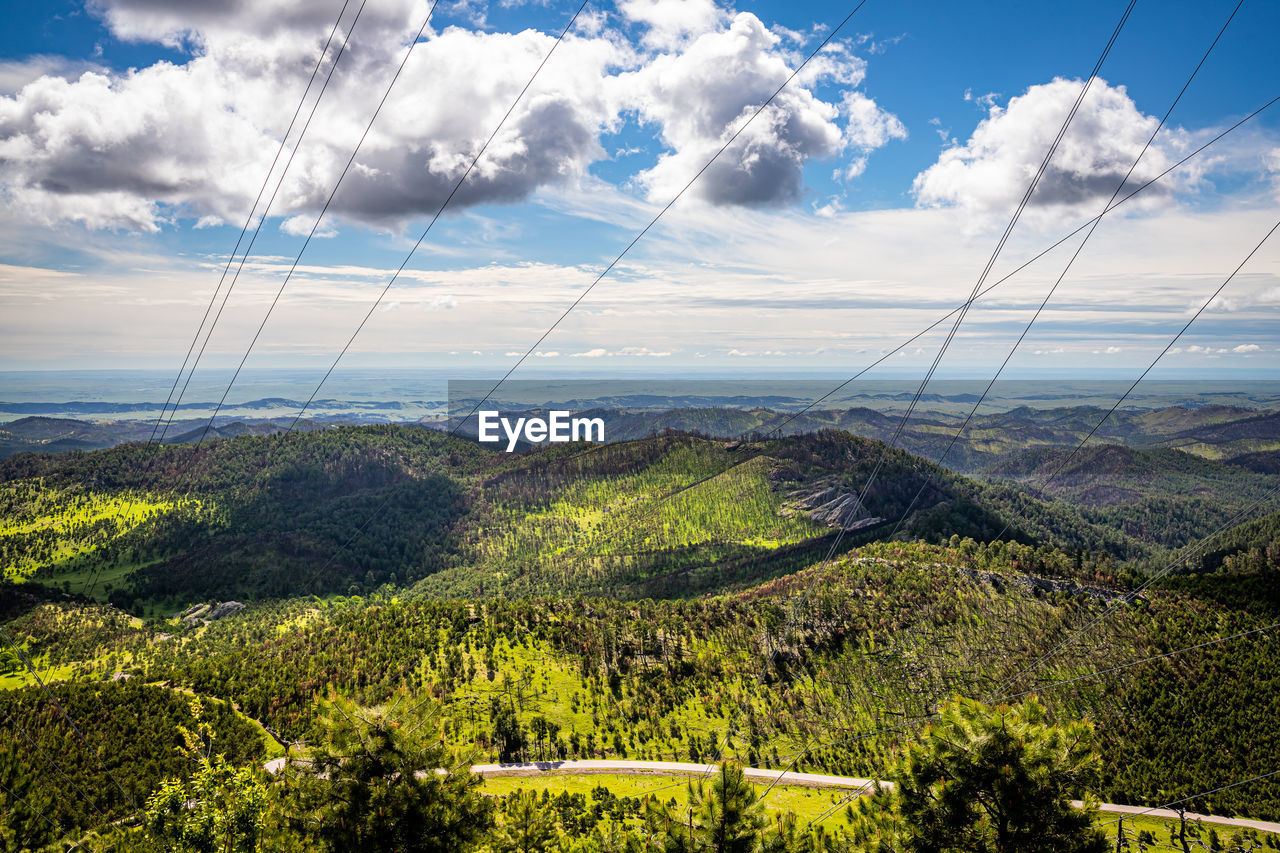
(347, 510)
(667, 598)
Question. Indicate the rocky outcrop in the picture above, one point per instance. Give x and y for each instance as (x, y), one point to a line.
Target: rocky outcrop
(203, 614)
(835, 507)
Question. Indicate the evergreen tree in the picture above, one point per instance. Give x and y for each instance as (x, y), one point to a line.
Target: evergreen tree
(527, 825)
(986, 780)
(383, 781)
(723, 816)
(218, 810)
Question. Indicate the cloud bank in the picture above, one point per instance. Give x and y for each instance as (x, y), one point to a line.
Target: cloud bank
(140, 149)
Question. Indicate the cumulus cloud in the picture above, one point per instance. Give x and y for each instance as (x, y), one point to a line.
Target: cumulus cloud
(1247, 348)
(139, 149)
(670, 23)
(700, 96)
(989, 173)
(217, 25)
(133, 150)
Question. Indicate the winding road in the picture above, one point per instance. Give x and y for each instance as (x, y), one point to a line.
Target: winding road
(535, 769)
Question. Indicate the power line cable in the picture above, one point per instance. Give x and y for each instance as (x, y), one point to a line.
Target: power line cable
(667, 207)
(1154, 361)
(830, 36)
(314, 227)
(1132, 594)
(9, 718)
(790, 418)
(1054, 685)
(262, 221)
(1044, 484)
(30, 808)
(1070, 262)
(311, 234)
(1079, 248)
(249, 218)
(1217, 790)
(257, 230)
(439, 211)
(960, 317)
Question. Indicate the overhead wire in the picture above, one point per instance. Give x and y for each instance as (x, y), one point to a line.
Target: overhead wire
(399, 69)
(439, 211)
(961, 312)
(1051, 686)
(231, 259)
(10, 718)
(1004, 237)
(249, 218)
(1130, 596)
(1198, 796)
(30, 808)
(738, 132)
(258, 230)
(791, 417)
(187, 358)
(293, 267)
(1066, 682)
(22, 655)
(1070, 262)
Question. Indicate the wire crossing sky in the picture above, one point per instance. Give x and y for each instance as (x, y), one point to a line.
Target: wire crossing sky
(134, 140)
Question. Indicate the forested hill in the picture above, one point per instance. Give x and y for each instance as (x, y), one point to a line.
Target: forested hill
(1164, 496)
(663, 598)
(346, 510)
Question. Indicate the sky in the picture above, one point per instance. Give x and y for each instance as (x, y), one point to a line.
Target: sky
(859, 207)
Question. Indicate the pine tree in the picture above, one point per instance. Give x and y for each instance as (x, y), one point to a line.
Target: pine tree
(995, 780)
(375, 784)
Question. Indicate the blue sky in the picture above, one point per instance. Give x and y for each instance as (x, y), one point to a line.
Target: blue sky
(854, 213)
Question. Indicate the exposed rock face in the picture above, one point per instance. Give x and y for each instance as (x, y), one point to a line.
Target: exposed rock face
(1035, 583)
(226, 608)
(203, 614)
(835, 507)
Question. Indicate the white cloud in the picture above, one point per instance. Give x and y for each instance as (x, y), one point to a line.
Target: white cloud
(1247, 348)
(988, 174)
(301, 225)
(133, 150)
(987, 101)
(671, 23)
(16, 73)
(702, 95)
(140, 149)
(869, 128)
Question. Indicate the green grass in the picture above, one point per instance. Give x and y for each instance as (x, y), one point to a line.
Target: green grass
(806, 803)
(1160, 827)
(22, 677)
(543, 683)
(45, 530)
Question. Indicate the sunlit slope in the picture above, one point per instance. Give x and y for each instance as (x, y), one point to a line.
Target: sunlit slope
(349, 510)
(681, 514)
(837, 661)
(58, 534)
